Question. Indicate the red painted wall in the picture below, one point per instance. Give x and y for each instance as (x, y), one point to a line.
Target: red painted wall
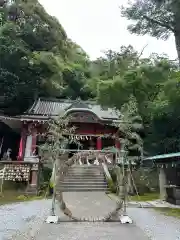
(91, 128)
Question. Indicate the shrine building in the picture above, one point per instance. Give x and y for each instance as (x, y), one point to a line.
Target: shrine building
(20, 135)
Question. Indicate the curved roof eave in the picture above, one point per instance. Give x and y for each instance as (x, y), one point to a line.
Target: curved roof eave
(90, 111)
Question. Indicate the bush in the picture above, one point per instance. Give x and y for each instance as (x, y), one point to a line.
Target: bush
(22, 197)
(146, 181)
(113, 175)
(111, 186)
(17, 186)
(45, 176)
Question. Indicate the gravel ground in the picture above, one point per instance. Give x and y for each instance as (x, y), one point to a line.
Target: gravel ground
(100, 205)
(157, 226)
(25, 220)
(91, 231)
(20, 217)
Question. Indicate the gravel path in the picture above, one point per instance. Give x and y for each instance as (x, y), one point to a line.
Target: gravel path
(100, 205)
(157, 226)
(24, 220)
(16, 218)
(91, 231)
(89, 204)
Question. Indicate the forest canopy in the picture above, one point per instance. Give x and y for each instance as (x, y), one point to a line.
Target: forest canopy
(38, 59)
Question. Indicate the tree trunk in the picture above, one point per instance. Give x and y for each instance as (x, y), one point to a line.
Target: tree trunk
(130, 188)
(177, 41)
(177, 28)
(61, 169)
(120, 183)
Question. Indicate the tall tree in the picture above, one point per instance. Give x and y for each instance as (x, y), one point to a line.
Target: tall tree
(36, 53)
(159, 18)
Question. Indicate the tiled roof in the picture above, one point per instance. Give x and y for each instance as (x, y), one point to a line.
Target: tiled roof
(49, 107)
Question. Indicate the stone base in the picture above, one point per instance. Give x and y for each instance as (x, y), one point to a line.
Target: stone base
(52, 219)
(125, 219)
(32, 189)
(173, 201)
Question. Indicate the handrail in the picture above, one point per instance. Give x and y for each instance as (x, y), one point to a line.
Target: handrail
(106, 172)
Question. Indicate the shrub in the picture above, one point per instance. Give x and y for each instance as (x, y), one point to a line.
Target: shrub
(113, 175)
(111, 186)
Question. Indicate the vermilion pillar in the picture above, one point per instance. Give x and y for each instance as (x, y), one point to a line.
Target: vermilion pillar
(22, 144)
(20, 153)
(99, 143)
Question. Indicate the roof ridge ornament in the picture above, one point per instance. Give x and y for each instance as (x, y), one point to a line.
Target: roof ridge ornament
(78, 103)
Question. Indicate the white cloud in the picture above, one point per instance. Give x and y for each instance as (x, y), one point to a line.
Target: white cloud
(96, 25)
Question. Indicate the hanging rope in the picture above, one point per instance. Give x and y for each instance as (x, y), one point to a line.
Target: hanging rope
(63, 207)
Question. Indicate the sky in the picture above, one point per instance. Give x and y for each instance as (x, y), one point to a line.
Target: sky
(97, 25)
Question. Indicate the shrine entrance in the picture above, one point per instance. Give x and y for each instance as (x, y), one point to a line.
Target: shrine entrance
(84, 142)
(9, 140)
(92, 125)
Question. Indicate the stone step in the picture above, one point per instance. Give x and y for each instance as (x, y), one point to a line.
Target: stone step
(79, 181)
(89, 185)
(86, 166)
(84, 190)
(85, 178)
(82, 187)
(74, 179)
(88, 174)
(85, 170)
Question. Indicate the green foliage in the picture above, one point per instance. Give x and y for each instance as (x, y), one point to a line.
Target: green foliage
(153, 83)
(146, 180)
(145, 197)
(37, 58)
(111, 186)
(56, 139)
(131, 129)
(155, 17)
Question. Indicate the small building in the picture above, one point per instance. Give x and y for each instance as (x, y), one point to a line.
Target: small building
(168, 166)
(90, 120)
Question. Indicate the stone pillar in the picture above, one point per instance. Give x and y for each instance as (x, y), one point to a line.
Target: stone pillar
(34, 175)
(162, 184)
(99, 143)
(34, 178)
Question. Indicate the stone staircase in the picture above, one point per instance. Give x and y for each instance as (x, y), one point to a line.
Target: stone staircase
(83, 178)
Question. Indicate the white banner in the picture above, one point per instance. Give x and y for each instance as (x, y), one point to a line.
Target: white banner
(80, 137)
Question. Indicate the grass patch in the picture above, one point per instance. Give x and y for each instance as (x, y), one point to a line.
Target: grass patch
(173, 212)
(145, 197)
(13, 197)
